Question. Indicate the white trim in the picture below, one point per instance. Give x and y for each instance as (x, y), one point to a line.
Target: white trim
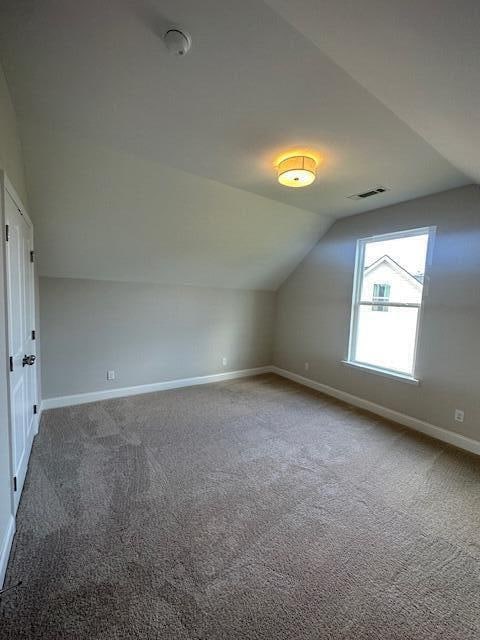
(463, 442)
(359, 273)
(386, 373)
(7, 187)
(93, 396)
(393, 235)
(5, 549)
(39, 416)
(37, 421)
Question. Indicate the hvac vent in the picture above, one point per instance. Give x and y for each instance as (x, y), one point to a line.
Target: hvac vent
(368, 194)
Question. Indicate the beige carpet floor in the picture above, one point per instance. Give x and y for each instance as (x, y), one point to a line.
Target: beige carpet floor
(252, 509)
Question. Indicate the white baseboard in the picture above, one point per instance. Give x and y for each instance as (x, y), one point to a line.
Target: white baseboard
(6, 545)
(82, 398)
(463, 442)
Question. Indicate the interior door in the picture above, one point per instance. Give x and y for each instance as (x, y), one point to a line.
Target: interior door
(21, 340)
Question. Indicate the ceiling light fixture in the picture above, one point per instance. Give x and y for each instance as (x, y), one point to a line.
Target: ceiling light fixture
(297, 171)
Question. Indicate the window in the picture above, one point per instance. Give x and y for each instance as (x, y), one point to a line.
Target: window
(381, 293)
(389, 277)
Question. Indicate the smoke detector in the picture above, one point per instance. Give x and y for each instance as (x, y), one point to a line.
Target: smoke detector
(177, 41)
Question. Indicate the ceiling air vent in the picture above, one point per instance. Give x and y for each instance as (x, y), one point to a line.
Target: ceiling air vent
(368, 194)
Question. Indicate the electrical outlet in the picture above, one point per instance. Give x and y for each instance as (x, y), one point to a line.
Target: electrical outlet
(307, 366)
(110, 375)
(459, 415)
(224, 362)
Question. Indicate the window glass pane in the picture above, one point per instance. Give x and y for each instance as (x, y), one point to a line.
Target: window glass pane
(387, 340)
(394, 269)
(390, 274)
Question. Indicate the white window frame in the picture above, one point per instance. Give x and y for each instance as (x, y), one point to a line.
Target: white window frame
(357, 302)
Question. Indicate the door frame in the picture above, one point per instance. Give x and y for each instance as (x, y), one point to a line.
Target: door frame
(8, 187)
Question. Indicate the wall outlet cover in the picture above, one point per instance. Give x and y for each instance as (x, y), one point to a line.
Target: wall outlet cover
(111, 375)
(459, 415)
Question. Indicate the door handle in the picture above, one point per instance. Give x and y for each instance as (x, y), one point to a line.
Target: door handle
(28, 360)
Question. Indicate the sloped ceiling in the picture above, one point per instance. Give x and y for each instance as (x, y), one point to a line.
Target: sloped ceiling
(421, 58)
(106, 215)
(142, 166)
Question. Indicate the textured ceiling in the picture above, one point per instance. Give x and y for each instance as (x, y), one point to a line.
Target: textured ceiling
(143, 166)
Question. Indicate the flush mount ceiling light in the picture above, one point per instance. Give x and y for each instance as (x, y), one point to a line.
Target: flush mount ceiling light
(297, 171)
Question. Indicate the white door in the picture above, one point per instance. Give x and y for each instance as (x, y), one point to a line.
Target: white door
(21, 340)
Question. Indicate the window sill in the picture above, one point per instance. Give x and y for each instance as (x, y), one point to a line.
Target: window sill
(402, 377)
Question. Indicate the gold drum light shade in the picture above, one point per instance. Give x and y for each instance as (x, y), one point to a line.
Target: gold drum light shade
(297, 171)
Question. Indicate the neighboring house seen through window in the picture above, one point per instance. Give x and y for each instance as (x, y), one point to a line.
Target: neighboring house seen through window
(381, 293)
(389, 277)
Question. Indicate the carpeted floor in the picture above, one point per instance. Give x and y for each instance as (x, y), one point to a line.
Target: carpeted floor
(252, 509)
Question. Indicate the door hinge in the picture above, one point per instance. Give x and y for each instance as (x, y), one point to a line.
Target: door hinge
(33, 334)
(32, 256)
(34, 408)
(14, 483)
(11, 363)
(7, 234)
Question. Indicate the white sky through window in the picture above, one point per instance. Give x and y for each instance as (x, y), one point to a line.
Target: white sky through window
(409, 252)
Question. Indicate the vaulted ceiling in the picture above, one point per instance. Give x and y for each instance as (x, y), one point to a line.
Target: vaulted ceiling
(105, 109)
(420, 58)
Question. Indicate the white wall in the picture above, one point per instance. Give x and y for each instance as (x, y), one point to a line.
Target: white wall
(102, 215)
(147, 333)
(11, 157)
(313, 312)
